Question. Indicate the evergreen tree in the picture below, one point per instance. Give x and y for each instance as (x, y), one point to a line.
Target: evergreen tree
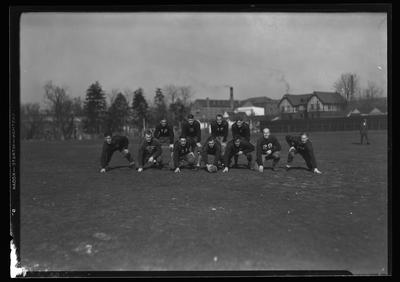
(94, 108)
(160, 107)
(139, 108)
(118, 114)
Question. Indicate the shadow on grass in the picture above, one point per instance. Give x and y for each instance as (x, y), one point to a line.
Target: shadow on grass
(297, 168)
(119, 167)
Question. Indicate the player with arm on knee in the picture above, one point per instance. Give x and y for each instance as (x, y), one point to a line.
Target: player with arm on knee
(240, 129)
(211, 154)
(238, 147)
(150, 154)
(164, 133)
(219, 130)
(268, 147)
(192, 131)
(112, 144)
(182, 154)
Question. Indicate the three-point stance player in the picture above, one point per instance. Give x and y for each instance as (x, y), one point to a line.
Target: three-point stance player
(219, 130)
(165, 134)
(112, 144)
(303, 146)
(191, 130)
(242, 130)
(211, 154)
(150, 154)
(238, 147)
(268, 148)
(182, 154)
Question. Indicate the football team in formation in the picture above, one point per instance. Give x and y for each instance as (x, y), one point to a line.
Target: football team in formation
(214, 154)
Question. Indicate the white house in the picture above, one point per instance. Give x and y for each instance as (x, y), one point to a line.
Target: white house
(249, 109)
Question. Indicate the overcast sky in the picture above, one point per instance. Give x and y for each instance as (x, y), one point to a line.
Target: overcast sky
(259, 54)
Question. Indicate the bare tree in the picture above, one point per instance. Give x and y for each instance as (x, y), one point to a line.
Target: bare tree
(31, 121)
(347, 85)
(171, 92)
(60, 110)
(186, 94)
(372, 91)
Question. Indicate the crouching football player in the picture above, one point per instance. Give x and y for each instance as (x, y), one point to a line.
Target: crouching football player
(192, 131)
(268, 148)
(303, 146)
(219, 130)
(211, 154)
(182, 154)
(112, 144)
(149, 152)
(238, 147)
(165, 134)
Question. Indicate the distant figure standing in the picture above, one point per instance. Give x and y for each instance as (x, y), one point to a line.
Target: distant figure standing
(364, 131)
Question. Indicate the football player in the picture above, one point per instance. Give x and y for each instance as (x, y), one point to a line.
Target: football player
(150, 154)
(303, 146)
(211, 154)
(182, 154)
(238, 147)
(268, 148)
(219, 130)
(112, 144)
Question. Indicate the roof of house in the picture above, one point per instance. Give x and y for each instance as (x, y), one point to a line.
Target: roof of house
(258, 101)
(216, 103)
(296, 100)
(233, 115)
(329, 97)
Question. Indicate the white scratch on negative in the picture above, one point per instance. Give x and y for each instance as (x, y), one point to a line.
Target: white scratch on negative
(15, 270)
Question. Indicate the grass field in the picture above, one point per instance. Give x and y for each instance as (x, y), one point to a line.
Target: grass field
(74, 218)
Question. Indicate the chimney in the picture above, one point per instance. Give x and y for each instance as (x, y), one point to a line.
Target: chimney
(232, 103)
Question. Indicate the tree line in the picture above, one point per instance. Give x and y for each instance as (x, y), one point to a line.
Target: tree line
(119, 111)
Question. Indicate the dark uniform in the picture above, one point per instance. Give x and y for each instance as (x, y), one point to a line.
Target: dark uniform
(164, 134)
(182, 154)
(192, 132)
(150, 149)
(232, 150)
(243, 132)
(215, 152)
(118, 143)
(220, 131)
(264, 145)
(364, 131)
(304, 149)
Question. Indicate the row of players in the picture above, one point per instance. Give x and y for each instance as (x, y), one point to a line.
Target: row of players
(215, 153)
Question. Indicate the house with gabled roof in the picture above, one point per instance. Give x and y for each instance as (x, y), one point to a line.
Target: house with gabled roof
(325, 104)
(293, 106)
(314, 105)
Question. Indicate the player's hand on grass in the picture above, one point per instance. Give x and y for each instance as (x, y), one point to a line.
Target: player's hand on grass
(177, 170)
(225, 169)
(102, 170)
(261, 168)
(140, 169)
(317, 171)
